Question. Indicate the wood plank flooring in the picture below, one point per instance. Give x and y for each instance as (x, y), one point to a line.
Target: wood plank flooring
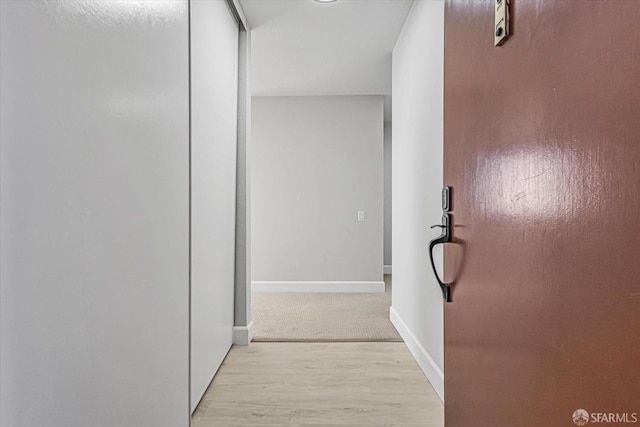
(323, 316)
(320, 384)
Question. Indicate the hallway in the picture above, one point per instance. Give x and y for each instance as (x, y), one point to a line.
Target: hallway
(320, 384)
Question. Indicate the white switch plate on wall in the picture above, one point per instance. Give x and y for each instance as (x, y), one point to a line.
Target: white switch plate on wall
(360, 216)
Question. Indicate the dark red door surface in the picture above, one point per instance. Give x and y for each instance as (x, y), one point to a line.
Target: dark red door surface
(542, 151)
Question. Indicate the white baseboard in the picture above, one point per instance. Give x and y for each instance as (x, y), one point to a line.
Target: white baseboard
(317, 286)
(387, 269)
(433, 373)
(242, 335)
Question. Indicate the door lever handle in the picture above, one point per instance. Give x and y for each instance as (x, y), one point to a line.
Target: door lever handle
(445, 237)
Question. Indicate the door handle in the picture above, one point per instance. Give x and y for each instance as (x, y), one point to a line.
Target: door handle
(445, 237)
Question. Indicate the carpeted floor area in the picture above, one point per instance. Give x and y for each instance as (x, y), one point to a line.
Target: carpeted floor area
(323, 317)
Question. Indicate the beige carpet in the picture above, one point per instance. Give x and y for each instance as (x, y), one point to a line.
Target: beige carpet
(317, 316)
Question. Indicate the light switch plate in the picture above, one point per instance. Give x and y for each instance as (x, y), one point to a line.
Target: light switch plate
(360, 216)
(502, 28)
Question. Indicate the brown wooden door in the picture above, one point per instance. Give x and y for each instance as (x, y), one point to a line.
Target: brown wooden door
(542, 150)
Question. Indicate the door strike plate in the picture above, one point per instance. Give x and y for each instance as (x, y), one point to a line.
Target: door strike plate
(502, 28)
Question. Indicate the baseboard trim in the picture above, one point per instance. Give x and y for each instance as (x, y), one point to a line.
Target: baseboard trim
(242, 335)
(387, 269)
(433, 373)
(307, 286)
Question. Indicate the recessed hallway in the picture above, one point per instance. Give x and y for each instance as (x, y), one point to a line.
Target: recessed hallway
(323, 316)
(320, 384)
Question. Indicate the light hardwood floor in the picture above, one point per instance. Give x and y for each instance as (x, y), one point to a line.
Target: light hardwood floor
(320, 384)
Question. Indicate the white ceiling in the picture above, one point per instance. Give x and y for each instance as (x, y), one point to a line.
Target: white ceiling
(302, 47)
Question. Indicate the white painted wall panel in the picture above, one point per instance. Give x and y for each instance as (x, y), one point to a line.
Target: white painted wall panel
(387, 195)
(94, 214)
(242, 312)
(317, 161)
(417, 184)
(214, 96)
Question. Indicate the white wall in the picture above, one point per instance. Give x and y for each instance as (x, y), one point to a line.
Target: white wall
(417, 183)
(388, 191)
(214, 103)
(94, 214)
(243, 330)
(317, 161)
